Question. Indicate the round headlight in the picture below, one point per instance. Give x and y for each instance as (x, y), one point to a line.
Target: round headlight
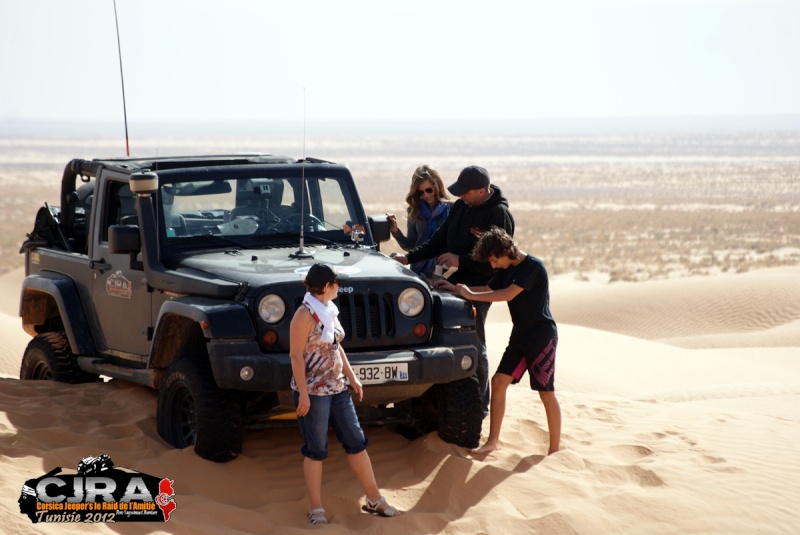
(411, 302)
(271, 308)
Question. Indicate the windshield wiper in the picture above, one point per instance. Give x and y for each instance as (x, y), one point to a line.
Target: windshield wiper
(204, 240)
(324, 241)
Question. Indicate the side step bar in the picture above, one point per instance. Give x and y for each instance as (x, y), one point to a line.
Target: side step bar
(142, 377)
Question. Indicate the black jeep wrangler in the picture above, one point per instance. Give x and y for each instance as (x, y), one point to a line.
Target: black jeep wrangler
(183, 273)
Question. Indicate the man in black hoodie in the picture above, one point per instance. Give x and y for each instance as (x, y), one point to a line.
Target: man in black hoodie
(480, 206)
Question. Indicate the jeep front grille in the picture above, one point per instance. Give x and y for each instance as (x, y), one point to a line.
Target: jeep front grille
(367, 316)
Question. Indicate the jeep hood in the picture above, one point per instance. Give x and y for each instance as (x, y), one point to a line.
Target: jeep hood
(260, 267)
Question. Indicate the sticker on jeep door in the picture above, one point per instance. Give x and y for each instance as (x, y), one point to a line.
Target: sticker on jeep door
(118, 286)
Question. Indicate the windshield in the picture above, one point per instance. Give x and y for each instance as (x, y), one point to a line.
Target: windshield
(256, 207)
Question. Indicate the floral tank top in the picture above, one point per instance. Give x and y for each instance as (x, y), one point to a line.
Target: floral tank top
(324, 376)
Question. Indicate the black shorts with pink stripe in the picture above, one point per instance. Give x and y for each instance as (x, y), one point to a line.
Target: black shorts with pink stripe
(538, 360)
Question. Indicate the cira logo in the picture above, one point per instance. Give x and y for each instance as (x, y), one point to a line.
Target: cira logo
(118, 286)
(97, 493)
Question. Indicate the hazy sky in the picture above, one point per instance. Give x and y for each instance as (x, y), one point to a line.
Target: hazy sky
(254, 60)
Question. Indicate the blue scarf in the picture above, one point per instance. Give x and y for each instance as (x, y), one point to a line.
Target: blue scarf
(434, 219)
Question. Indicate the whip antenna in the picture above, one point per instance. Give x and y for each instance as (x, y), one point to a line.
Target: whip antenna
(122, 79)
(301, 252)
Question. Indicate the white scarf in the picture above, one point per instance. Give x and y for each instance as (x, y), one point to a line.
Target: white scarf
(327, 315)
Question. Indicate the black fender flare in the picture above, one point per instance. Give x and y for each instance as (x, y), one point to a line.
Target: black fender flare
(451, 312)
(64, 293)
(217, 319)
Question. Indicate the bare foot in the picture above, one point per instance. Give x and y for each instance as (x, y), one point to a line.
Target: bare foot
(486, 448)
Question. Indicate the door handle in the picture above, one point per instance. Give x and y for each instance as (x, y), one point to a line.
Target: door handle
(100, 265)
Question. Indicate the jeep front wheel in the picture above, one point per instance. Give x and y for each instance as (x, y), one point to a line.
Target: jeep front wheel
(460, 412)
(48, 358)
(194, 411)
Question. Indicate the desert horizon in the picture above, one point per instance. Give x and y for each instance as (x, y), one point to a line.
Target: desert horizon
(674, 261)
(627, 207)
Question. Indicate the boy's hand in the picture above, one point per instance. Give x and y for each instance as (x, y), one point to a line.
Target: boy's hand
(463, 291)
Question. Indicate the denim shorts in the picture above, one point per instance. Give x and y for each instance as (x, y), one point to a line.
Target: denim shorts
(336, 411)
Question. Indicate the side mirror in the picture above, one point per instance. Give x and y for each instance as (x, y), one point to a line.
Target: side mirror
(379, 225)
(123, 239)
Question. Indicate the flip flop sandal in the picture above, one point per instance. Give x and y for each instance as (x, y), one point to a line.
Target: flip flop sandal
(386, 512)
(317, 516)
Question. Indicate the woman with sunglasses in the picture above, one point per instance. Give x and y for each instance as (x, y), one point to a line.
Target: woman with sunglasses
(428, 207)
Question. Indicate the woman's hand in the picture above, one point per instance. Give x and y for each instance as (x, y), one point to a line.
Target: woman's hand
(303, 404)
(392, 223)
(356, 385)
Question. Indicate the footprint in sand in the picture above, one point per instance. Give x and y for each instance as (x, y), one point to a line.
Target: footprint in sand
(651, 436)
(628, 453)
(629, 474)
(532, 432)
(716, 464)
(684, 438)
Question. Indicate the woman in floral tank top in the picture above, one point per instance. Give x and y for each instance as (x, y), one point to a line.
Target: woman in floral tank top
(319, 368)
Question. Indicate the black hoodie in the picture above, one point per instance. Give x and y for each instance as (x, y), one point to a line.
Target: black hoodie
(460, 232)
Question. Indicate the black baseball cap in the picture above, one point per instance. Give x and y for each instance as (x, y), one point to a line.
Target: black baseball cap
(321, 274)
(470, 178)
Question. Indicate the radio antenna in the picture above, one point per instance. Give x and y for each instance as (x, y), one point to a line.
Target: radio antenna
(122, 79)
(301, 252)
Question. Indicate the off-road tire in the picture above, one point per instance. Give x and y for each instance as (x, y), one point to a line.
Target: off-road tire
(48, 358)
(421, 414)
(193, 411)
(460, 412)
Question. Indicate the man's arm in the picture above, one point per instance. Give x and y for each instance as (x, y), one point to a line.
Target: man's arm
(435, 246)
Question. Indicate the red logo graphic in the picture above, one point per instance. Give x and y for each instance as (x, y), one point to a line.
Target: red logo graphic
(163, 500)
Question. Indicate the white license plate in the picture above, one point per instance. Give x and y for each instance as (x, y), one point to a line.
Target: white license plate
(374, 374)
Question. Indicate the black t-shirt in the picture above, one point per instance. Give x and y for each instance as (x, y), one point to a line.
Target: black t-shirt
(530, 309)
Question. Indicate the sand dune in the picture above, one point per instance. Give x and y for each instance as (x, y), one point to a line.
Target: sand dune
(756, 309)
(657, 438)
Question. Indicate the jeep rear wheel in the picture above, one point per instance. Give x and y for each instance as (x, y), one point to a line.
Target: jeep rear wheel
(194, 411)
(48, 358)
(460, 412)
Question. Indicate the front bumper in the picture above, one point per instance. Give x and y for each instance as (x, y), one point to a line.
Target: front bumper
(273, 372)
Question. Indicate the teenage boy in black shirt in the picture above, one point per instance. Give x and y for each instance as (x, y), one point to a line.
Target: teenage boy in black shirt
(522, 281)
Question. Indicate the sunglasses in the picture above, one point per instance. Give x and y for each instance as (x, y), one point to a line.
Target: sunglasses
(422, 192)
